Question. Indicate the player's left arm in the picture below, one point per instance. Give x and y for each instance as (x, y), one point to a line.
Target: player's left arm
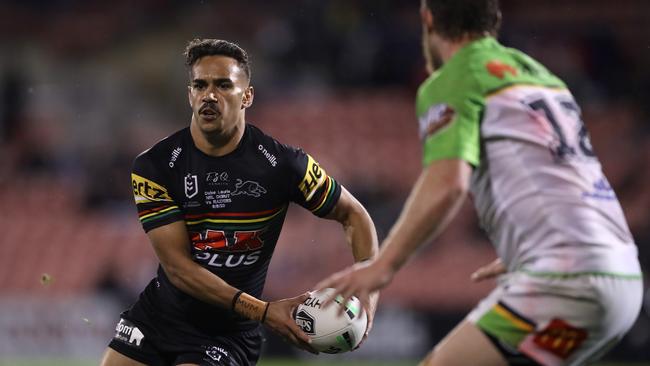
(361, 236)
(321, 194)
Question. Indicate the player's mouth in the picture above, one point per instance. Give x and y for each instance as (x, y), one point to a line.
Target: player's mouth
(208, 112)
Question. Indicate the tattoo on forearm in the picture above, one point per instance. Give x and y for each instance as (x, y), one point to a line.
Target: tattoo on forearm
(250, 307)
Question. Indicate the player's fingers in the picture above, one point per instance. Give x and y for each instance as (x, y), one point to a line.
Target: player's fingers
(343, 300)
(368, 327)
(491, 270)
(301, 298)
(340, 288)
(299, 337)
(328, 282)
(371, 321)
(478, 275)
(298, 343)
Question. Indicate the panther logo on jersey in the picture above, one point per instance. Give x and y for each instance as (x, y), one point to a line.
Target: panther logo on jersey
(248, 188)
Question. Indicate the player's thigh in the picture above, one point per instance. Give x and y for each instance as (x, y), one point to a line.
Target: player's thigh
(114, 358)
(464, 345)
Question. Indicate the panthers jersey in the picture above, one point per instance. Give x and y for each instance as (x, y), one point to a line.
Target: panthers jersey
(233, 206)
(537, 184)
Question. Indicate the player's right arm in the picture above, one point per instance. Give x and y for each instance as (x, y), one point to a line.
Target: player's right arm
(171, 244)
(449, 109)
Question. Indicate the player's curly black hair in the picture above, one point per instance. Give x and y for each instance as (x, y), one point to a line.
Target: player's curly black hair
(453, 19)
(200, 47)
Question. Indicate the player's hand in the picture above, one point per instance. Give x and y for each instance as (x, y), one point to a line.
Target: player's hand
(279, 318)
(360, 280)
(370, 306)
(491, 270)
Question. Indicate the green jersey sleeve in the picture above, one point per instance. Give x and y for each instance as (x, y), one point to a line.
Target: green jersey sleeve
(449, 107)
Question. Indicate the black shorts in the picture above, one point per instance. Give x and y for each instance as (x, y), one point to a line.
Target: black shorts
(141, 342)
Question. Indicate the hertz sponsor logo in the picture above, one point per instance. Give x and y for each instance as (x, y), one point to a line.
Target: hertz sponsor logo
(146, 190)
(313, 179)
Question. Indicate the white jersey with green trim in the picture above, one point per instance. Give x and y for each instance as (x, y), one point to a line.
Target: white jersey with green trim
(538, 188)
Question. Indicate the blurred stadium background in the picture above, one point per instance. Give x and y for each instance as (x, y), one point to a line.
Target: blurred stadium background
(86, 86)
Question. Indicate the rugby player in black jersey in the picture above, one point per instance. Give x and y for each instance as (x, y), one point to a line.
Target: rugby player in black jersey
(212, 198)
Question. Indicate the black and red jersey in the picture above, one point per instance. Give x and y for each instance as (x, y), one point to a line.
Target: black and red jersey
(234, 207)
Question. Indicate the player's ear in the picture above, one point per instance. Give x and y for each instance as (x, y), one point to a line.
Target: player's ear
(426, 16)
(247, 100)
(189, 94)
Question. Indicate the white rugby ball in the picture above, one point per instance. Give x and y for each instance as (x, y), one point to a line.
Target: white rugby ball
(329, 331)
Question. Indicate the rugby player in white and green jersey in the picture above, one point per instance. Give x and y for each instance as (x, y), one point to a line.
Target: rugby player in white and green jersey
(497, 124)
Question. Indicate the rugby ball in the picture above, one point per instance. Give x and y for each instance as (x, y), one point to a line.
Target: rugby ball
(331, 332)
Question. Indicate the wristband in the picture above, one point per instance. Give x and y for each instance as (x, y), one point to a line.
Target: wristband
(249, 306)
(266, 310)
(234, 299)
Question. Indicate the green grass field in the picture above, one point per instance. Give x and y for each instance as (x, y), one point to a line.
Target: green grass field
(267, 362)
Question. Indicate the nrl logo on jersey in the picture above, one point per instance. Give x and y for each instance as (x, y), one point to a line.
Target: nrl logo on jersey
(435, 118)
(191, 185)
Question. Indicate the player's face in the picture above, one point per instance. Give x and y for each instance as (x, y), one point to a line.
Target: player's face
(218, 93)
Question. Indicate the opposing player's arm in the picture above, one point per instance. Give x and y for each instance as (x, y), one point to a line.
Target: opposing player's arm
(432, 203)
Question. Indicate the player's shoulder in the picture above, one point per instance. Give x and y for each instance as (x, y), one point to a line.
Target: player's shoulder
(276, 152)
(454, 82)
(495, 66)
(166, 151)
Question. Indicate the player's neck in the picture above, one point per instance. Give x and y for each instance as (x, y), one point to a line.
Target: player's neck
(448, 48)
(217, 143)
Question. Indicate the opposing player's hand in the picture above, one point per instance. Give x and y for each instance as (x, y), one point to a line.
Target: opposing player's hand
(279, 318)
(361, 280)
(491, 270)
(370, 306)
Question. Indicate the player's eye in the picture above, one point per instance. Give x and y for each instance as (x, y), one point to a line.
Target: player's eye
(199, 85)
(225, 85)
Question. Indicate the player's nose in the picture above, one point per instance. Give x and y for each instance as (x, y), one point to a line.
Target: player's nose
(210, 97)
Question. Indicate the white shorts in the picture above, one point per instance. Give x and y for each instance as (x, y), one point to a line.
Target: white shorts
(559, 319)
